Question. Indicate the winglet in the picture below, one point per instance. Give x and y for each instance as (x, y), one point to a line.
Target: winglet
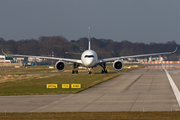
(3, 52)
(175, 50)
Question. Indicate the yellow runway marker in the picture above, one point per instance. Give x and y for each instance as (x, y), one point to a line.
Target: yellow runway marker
(75, 85)
(65, 85)
(51, 85)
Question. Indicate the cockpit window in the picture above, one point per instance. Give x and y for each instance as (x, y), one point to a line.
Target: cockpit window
(88, 56)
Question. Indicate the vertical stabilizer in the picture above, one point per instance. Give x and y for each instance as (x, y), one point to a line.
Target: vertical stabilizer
(89, 39)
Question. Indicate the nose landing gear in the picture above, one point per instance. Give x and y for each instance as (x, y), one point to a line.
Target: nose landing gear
(89, 71)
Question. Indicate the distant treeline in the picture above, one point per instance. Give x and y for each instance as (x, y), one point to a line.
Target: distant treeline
(44, 46)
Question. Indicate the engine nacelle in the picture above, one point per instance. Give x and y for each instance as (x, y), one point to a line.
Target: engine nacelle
(60, 66)
(118, 65)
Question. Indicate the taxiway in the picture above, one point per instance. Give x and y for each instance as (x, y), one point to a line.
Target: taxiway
(138, 90)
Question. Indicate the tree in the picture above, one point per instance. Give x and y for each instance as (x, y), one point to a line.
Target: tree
(44, 46)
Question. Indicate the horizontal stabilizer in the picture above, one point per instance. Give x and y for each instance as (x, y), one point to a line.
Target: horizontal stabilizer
(73, 53)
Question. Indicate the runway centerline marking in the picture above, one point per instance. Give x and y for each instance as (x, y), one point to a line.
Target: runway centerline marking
(173, 85)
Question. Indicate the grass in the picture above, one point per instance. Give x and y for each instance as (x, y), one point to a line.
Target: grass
(92, 116)
(21, 81)
(25, 70)
(37, 86)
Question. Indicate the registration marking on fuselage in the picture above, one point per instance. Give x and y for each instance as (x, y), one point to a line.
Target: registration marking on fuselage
(173, 85)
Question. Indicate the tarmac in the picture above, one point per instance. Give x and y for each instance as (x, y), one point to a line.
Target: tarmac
(138, 90)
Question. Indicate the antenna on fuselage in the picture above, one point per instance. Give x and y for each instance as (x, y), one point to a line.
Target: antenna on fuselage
(89, 39)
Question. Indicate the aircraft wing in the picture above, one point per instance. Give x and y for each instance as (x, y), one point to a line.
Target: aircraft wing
(133, 56)
(51, 58)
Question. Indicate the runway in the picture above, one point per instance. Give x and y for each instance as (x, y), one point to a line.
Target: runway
(138, 90)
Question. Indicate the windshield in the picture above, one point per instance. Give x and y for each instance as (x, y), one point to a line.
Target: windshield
(88, 56)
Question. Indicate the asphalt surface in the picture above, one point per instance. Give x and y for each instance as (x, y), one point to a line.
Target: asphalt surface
(138, 90)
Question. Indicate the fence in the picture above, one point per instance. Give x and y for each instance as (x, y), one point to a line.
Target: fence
(161, 62)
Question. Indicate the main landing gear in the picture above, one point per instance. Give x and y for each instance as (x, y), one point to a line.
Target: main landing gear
(103, 65)
(75, 67)
(74, 71)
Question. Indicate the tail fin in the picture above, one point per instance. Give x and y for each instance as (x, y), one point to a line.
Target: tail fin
(89, 39)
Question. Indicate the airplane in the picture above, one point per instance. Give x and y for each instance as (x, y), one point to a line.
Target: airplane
(89, 59)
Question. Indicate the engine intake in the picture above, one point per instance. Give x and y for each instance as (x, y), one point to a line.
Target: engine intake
(118, 65)
(60, 66)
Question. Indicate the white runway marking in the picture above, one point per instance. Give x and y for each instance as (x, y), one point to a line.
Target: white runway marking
(173, 85)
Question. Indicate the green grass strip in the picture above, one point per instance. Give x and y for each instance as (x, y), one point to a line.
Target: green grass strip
(92, 116)
(37, 85)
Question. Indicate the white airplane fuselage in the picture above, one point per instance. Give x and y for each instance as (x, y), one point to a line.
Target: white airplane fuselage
(89, 58)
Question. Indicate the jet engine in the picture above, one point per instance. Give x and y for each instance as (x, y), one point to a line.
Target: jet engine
(118, 65)
(60, 66)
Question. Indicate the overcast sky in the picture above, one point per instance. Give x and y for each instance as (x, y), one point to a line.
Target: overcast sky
(133, 20)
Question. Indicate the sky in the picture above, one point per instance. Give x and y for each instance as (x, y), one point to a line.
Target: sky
(133, 20)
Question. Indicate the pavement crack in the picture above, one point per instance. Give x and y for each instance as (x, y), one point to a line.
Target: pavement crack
(113, 84)
(134, 102)
(50, 104)
(91, 102)
(124, 90)
(151, 84)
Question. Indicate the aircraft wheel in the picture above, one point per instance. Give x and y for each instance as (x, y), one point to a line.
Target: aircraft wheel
(73, 71)
(105, 71)
(76, 71)
(102, 71)
(89, 72)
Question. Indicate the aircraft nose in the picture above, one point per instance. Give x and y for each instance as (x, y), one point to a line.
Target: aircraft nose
(89, 62)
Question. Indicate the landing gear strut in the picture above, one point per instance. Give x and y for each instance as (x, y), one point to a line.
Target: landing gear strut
(103, 65)
(75, 66)
(89, 71)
